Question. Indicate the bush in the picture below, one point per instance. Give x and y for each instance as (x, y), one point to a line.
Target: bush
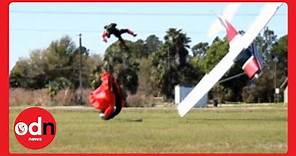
(40, 97)
(67, 97)
(139, 101)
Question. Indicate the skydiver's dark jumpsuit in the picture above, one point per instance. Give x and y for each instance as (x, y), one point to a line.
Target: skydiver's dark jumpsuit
(111, 29)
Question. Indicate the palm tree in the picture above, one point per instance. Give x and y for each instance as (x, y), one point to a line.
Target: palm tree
(178, 44)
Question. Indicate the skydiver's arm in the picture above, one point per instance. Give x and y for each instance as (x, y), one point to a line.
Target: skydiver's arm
(105, 35)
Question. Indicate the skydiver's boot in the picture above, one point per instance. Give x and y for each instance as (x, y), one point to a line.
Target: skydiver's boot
(131, 32)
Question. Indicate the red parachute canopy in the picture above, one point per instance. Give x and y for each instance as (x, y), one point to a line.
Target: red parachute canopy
(103, 97)
(107, 95)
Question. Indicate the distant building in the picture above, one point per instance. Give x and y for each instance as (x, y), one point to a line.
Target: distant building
(181, 91)
(285, 92)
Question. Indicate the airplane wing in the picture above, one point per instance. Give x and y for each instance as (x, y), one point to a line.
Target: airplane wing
(237, 43)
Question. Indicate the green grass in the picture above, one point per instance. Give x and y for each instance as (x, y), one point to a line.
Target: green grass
(244, 129)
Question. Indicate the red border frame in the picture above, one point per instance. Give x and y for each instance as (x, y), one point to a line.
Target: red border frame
(4, 73)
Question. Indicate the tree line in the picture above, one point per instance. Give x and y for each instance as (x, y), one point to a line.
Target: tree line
(153, 66)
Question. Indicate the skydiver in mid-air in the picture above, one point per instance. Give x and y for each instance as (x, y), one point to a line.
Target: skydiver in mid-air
(111, 29)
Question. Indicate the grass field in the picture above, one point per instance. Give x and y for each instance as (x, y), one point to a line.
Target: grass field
(231, 129)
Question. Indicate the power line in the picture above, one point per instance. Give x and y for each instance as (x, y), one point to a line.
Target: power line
(87, 31)
(200, 13)
(231, 77)
(98, 30)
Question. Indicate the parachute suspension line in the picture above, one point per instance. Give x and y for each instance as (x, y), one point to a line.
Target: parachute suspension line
(231, 77)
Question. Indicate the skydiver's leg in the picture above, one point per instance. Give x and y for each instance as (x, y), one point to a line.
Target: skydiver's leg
(122, 31)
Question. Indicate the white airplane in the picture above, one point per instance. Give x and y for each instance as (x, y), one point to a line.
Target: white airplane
(237, 44)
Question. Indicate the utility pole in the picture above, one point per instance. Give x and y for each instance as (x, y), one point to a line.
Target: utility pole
(276, 90)
(80, 70)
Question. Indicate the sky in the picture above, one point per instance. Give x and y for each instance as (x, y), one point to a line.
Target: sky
(35, 25)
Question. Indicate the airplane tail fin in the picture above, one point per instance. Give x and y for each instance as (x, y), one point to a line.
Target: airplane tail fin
(228, 13)
(249, 59)
(230, 30)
